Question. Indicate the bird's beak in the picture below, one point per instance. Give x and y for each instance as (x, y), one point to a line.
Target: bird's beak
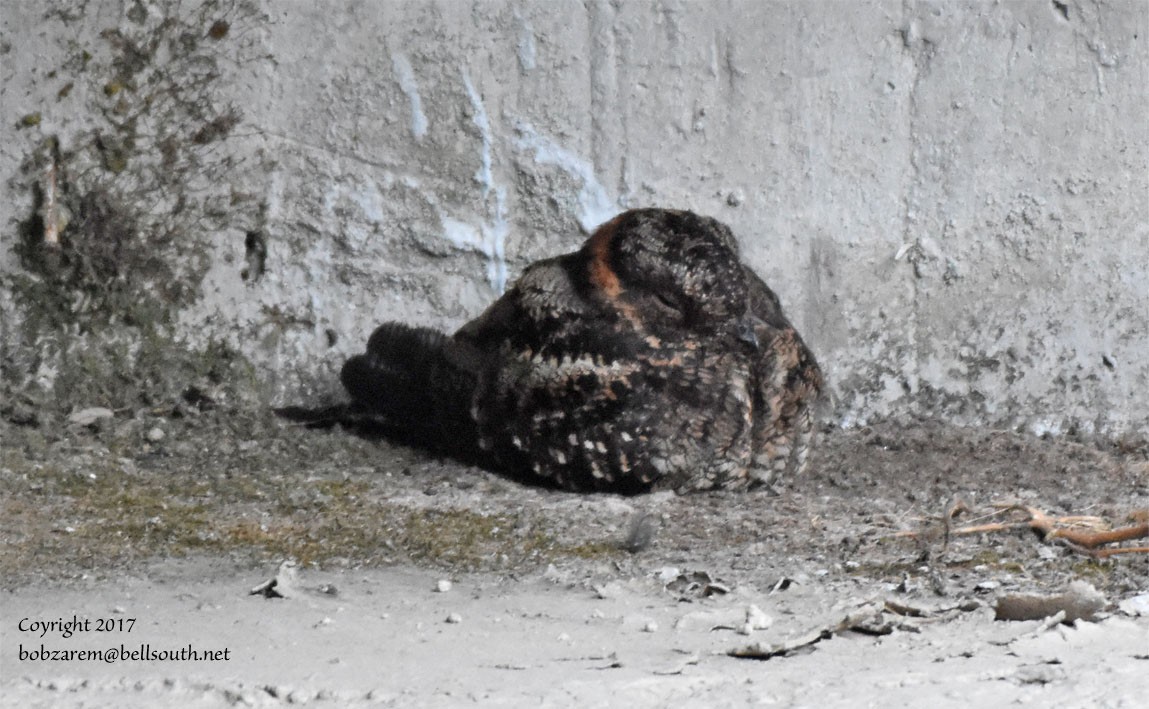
(746, 330)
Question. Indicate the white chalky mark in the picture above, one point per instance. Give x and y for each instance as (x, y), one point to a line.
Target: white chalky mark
(595, 207)
(483, 174)
(406, 78)
(526, 48)
(462, 234)
(490, 237)
(370, 200)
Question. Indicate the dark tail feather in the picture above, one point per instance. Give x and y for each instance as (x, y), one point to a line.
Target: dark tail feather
(417, 384)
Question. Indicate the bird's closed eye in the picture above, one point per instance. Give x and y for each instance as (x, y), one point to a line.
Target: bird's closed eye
(672, 305)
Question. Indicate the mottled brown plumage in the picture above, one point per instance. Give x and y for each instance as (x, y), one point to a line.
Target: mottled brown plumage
(651, 358)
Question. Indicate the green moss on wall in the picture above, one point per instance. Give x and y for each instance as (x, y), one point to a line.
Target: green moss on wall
(114, 246)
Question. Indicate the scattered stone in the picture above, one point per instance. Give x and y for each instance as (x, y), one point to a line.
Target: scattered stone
(1081, 601)
(266, 589)
(615, 663)
(696, 584)
(906, 585)
(454, 618)
(299, 696)
(1135, 606)
(90, 416)
(782, 584)
(442, 586)
(668, 573)
(1039, 674)
(857, 619)
(554, 575)
(605, 591)
(756, 619)
(650, 627)
(155, 434)
(284, 585)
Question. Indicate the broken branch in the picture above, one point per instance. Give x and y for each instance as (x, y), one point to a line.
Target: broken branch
(1078, 532)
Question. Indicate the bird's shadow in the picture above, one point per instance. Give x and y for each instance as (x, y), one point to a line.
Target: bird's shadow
(367, 426)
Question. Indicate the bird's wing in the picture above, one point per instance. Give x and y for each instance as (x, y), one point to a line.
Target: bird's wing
(543, 309)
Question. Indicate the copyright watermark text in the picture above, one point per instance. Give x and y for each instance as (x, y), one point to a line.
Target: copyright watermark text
(49, 629)
(143, 652)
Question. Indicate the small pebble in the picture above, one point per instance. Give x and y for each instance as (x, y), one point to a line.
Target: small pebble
(650, 627)
(443, 585)
(155, 434)
(454, 618)
(756, 619)
(1135, 606)
(88, 417)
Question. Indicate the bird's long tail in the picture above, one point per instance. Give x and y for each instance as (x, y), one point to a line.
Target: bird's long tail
(417, 384)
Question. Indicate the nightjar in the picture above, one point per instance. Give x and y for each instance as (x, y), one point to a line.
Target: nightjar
(651, 358)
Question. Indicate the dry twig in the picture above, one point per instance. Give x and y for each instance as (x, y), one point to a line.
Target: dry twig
(1081, 533)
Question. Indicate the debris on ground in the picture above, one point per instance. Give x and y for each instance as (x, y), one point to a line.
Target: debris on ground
(1081, 601)
(285, 583)
(1090, 535)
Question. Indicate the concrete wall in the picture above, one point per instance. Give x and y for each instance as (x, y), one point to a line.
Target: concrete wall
(951, 198)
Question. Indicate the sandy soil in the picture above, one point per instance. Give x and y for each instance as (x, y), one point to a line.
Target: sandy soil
(845, 576)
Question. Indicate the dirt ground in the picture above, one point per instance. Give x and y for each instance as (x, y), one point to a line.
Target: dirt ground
(414, 581)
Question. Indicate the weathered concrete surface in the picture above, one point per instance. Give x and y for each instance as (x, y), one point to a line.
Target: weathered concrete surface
(951, 198)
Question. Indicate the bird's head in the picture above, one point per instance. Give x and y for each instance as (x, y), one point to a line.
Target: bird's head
(672, 272)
